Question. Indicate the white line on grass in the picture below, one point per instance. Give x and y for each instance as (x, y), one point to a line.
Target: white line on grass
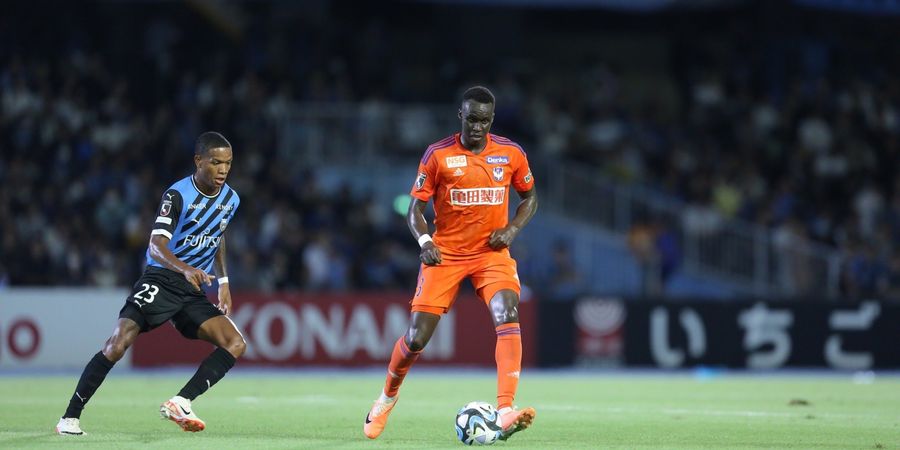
(701, 412)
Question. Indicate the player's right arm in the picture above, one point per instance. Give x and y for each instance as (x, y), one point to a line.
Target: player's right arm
(165, 224)
(415, 218)
(159, 250)
(422, 191)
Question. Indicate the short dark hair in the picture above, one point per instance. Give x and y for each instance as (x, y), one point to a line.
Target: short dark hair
(480, 94)
(208, 141)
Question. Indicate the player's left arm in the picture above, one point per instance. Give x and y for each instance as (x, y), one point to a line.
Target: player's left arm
(523, 182)
(503, 237)
(222, 274)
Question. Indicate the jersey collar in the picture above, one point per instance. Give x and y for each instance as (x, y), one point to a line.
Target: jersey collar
(201, 192)
(487, 145)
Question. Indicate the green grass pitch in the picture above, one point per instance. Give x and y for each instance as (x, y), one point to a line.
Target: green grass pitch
(326, 410)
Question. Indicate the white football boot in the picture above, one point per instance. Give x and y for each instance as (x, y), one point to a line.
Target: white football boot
(178, 410)
(515, 420)
(69, 426)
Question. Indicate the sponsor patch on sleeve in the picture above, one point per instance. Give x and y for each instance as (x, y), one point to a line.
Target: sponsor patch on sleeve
(166, 208)
(527, 178)
(420, 181)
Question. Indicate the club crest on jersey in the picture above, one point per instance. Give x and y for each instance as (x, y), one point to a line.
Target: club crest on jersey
(498, 160)
(166, 208)
(498, 173)
(527, 178)
(223, 224)
(420, 180)
(456, 161)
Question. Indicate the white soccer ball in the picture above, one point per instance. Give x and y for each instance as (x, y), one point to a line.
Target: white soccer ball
(478, 423)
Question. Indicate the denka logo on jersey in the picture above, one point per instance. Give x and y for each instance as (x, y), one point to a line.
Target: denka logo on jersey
(456, 161)
(498, 160)
(477, 196)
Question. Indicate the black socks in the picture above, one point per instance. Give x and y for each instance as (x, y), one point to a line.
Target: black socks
(93, 375)
(211, 370)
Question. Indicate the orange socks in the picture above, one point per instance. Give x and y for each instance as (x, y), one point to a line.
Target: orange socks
(401, 360)
(508, 354)
(509, 362)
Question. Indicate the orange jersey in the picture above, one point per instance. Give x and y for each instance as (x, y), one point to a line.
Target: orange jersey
(470, 192)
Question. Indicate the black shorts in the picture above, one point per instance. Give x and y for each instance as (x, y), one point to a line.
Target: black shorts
(161, 295)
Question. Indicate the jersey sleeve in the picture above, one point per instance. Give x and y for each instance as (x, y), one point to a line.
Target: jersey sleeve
(423, 187)
(168, 214)
(522, 180)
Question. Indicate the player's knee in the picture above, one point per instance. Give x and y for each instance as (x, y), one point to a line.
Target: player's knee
(236, 346)
(505, 310)
(506, 315)
(416, 341)
(115, 348)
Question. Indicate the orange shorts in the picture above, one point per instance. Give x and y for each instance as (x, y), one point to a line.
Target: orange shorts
(438, 285)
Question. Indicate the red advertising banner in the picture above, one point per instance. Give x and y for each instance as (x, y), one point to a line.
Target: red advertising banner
(340, 330)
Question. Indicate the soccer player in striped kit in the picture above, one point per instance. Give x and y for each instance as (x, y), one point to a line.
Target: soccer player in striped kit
(187, 241)
(468, 177)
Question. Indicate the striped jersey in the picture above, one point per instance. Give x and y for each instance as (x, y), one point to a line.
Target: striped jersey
(194, 222)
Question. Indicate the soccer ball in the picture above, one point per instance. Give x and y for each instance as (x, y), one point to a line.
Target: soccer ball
(478, 423)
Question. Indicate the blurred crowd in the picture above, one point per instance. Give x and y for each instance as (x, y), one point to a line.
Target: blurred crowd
(84, 164)
(93, 130)
(813, 158)
(816, 162)
(88, 148)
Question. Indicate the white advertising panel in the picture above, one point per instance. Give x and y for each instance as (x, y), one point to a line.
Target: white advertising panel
(56, 328)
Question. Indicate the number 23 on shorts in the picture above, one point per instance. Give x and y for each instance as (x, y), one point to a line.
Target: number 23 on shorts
(147, 294)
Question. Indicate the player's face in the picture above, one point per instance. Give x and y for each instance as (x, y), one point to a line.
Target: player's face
(476, 121)
(214, 167)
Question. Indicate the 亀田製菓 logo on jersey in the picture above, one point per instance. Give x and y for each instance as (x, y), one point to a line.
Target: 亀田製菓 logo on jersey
(477, 196)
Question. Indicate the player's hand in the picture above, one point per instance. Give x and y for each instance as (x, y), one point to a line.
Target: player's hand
(503, 237)
(430, 255)
(224, 299)
(198, 277)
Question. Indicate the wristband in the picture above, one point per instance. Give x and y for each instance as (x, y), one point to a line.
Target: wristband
(423, 239)
(223, 280)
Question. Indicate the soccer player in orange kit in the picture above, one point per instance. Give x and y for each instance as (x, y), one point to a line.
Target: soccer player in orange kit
(468, 175)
